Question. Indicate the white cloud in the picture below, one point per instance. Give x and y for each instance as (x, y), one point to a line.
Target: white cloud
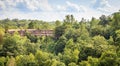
(71, 7)
(11, 3)
(105, 3)
(79, 12)
(102, 5)
(50, 16)
(18, 1)
(2, 5)
(61, 8)
(46, 16)
(48, 13)
(75, 7)
(43, 5)
(7, 5)
(38, 4)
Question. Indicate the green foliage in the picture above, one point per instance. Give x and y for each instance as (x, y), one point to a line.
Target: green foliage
(11, 62)
(60, 45)
(59, 31)
(94, 22)
(1, 35)
(108, 58)
(69, 19)
(116, 20)
(72, 64)
(13, 45)
(93, 61)
(70, 56)
(103, 20)
(84, 63)
(57, 23)
(85, 43)
(2, 61)
(31, 37)
(117, 37)
(57, 63)
(41, 57)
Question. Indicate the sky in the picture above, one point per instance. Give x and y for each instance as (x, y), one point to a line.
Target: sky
(52, 10)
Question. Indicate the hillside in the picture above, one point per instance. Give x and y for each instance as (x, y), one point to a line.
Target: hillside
(94, 42)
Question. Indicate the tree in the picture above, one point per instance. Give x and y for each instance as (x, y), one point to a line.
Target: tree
(11, 62)
(72, 64)
(57, 63)
(31, 60)
(26, 60)
(46, 25)
(84, 63)
(72, 34)
(14, 45)
(31, 48)
(32, 25)
(2, 61)
(111, 41)
(31, 37)
(69, 19)
(94, 22)
(70, 56)
(60, 45)
(76, 25)
(116, 20)
(116, 37)
(59, 31)
(108, 58)
(93, 61)
(87, 51)
(100, 45)
(84, 43)
(103, 20)
(90, 62)
(70, 44)
(1, 35)
(48, 45)
(99, 40)
(41, 57)
(57, 23)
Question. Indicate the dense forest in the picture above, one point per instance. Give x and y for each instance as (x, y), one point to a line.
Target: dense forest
(94, 42)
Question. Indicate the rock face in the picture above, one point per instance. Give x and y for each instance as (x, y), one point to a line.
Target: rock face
(35, 32)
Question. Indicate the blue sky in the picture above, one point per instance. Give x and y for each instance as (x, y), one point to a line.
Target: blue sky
(51, 10)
